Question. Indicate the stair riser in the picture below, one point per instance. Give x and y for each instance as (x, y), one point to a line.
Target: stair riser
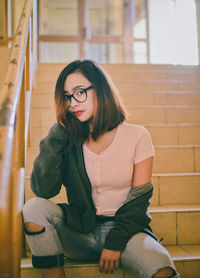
(130, 87)
(46, 117)
(129, 76)
(166, 115)
(167, 160)
(177, 160)
(161, 135)
(168, 69)
(187, 269)
(174, 190)
(45, 100)
(177, 227)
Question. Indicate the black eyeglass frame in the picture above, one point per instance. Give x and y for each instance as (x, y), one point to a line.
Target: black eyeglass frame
(69, 97)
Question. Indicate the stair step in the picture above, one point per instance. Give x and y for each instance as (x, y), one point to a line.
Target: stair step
(170, 69)
(133, 86)
(162, 134)
(169, 189)
(176, 189)
(174, 134)
(168, 159)
(175, 224)
(129, 75)
(45, 117)
(177, 159)
(44, 100)
(186, 259)
(163, 114)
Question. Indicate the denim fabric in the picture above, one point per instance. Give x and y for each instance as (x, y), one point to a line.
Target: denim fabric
(143, 255)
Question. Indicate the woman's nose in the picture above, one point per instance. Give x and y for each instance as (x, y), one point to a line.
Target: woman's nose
(74, 102)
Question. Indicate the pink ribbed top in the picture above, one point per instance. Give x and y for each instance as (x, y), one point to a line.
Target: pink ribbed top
(111, 171)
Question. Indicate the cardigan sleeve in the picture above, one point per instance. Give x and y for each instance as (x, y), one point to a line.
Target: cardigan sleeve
(132, 218)
(47, 173)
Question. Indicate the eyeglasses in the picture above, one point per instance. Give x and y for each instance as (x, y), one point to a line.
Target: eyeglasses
(80, 95)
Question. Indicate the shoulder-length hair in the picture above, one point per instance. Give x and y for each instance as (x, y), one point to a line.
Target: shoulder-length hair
(110, 110)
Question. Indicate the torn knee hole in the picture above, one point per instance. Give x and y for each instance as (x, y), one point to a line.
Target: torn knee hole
(33, 229)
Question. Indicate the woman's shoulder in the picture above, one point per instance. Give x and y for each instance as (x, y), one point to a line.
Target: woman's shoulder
(133, 128)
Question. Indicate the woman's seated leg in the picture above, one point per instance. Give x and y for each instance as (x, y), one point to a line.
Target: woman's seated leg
(147, 258)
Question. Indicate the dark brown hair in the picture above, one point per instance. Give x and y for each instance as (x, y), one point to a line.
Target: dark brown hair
(110, 111)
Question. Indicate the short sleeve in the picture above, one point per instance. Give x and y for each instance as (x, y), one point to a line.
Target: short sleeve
(144, 148)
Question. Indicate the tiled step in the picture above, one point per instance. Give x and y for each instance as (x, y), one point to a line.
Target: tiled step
(168, 159)
(177, 159)
(164, 114)
(175, 224)
(130, 75)
(174, 134)
(176, 189)
(150, 68)
(186, 259)
(172, 221)
(169, 189)
(174, 98)
(45, 117)
(162, 134)
(134, 86)
(44, 100)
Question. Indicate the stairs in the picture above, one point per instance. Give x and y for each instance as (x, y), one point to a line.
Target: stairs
(166, 100)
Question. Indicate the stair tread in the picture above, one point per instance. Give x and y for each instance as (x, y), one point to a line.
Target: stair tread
(163, 175)
(175, 208)
(178, 253)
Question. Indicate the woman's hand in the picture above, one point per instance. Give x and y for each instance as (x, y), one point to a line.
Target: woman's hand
(109, 260)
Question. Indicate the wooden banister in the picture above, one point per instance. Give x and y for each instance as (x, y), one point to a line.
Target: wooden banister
(15, 95)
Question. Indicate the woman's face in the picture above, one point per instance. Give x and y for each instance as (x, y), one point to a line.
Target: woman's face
(84, 111)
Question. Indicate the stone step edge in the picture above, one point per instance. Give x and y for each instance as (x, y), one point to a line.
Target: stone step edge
(27, 264)
(155, 146)
(151, 81)
(164, 125)
(179, 93)
(149, 107)
(162, 175)
(174, 208)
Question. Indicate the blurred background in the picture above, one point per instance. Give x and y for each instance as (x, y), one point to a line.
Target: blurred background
(115, 31)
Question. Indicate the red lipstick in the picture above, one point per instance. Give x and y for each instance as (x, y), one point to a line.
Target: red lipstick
(77, 113)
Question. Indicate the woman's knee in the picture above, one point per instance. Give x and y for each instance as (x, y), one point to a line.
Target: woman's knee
(165, 272)
(33, 210)
(31, 227)
(33, 205)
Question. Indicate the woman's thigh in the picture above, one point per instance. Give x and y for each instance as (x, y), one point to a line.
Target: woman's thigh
(144, 256)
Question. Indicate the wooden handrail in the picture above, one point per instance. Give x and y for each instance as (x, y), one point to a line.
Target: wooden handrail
(14, 113)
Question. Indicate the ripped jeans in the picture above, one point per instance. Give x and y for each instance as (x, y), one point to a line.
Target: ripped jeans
(143, 255)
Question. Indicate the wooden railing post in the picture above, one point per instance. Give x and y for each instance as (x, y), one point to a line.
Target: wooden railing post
(18, 180)
(14, 104)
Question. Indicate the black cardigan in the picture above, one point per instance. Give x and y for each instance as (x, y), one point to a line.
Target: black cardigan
(54, 167)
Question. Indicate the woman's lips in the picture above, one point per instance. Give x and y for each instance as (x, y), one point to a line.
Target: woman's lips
(77, 113)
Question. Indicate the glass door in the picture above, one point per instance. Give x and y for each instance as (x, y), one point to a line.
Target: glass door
(59, 36)
(105, 19)
(92, 29)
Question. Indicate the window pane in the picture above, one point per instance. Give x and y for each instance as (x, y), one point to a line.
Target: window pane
(106, 17)
(59, 17)
(139, 52)
(173, 32)
(139, 27)
(58, 52)
(105, 52)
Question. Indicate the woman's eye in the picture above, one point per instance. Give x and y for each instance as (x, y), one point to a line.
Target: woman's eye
(66, 97)
(79, 93)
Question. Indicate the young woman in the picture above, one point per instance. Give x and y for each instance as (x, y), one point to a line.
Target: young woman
(106, 166)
